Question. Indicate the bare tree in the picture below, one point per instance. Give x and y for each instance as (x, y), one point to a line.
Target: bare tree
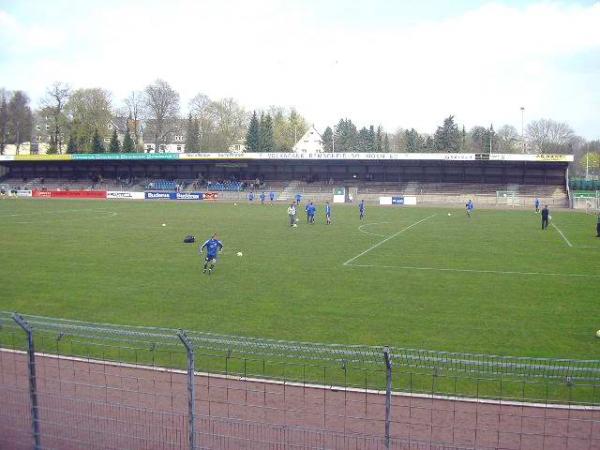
(230, 120)
(508, 138)
(91, 111)
(200, 108)
(3, 119)
(162, 103)
(135, 109)
(53, 105)
(20, 119)
(547, 135)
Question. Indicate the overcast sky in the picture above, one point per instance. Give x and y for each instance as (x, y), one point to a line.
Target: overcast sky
(395, 63)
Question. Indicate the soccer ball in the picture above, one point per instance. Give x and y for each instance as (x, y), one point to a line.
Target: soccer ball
(235, 204)
(449, 214)
(295, 225)
(598, 334)
(240, 254)
(549, 217)
(164, 224)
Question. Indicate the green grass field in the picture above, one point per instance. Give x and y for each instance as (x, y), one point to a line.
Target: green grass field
(407, 277)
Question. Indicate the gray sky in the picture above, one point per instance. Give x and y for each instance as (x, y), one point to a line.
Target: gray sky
(395, 63)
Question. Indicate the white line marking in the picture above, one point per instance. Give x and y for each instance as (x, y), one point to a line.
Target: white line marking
(563, 236)
(387, 239)
(360, 228)
(499, 272)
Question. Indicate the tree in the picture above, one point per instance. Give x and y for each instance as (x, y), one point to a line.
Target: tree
(364, 140)
(508, 139)
(162, 106)
(115, 145)
(328, 139)
(447, 137)
(266, 134)
(371, 146)
(413, 141)
(191, 135)
(97, 144)
(253, 134)
(3, 120)
(229, 122)
(386, 143)
(346, 136)
(128, 143)
(72, 145)
(52, 148)
(135, 108)
(590, 163)
(478, 137)
(53, 105)
(92, 113)
(548, 136)
(201, 108)
(379, 140)
(20, 119)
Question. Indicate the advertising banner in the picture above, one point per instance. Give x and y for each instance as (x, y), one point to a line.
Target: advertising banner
(385, 200)
(24, 193)
(127, 156)
(152, 195)
(189, 196)
(78, 194)
(397, 200)
(211, 195)
(41, 194)
(158, 195)
(123, 195)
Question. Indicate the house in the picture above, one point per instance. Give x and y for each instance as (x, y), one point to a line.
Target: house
(311, 142)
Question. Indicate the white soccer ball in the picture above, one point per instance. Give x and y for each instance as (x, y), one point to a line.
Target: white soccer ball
(449, 214)
(598, 334)
(235, 204)
(240, 254)
(164, 224)
(295, 225)
(549, 217)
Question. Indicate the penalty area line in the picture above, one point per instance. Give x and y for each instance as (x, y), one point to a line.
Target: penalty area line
(360, 228)
(387, 239)
(498, 272)
(563, 236)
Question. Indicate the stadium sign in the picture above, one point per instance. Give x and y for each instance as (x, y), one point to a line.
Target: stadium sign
(125, 195)
(23, 193)
(188, 196)
(158, 195)
(126, 156)
(174, 196)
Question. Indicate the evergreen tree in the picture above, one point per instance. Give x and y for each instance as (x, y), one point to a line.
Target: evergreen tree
(364, 140)
(414, 142)
(447, 137)
(97, 144)
(328, 139)
(386, 143)
(72, 145)
(115, 145)
(52, 148)
(266, 134)
(128, 144)
(379, 140)
(463, 143)
(192, 143)
(346, 136)
(253, 134)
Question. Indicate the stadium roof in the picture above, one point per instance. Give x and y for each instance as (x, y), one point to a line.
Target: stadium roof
(296, 156)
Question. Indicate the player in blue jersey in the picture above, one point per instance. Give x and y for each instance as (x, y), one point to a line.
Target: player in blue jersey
(213, 247)
(250, 196)
(272, 196)
(470, 206)
(310, 211)
(328, 213)
(537, 205)
(262, 198)
(361, 209)
(298, 198)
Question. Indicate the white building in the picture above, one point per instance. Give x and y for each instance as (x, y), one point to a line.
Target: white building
(311, 142)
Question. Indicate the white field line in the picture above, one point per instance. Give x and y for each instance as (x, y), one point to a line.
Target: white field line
(387, 239)
(563, 236)
(360, 228)
(499, 272)
(307, 385)
(60, 211)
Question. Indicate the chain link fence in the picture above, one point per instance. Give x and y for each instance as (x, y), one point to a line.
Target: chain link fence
(68, 384)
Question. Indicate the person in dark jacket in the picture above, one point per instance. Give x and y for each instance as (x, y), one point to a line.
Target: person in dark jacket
(545, 217)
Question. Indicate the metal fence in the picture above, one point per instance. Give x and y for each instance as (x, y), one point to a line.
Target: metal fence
(74, 385)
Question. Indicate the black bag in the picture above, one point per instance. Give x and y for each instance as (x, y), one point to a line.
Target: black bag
(189, 239)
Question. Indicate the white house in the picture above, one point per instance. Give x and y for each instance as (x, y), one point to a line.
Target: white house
(311, 142)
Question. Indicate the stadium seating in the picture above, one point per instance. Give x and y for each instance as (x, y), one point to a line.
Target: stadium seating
(162, 185)
(235, 186)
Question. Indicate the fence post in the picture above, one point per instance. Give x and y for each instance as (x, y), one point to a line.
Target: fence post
(35, 420)
(388, 394)
(191, 391)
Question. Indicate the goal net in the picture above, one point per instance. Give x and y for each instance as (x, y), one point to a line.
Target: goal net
(590, 201)
(507, 198)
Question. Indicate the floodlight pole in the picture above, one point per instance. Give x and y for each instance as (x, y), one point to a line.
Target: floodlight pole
(388, 394)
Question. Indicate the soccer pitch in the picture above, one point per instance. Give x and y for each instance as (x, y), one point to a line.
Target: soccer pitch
(408, 277)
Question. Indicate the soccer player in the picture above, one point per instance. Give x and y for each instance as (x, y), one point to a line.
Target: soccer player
(598, 226)
(292, 214)
(262, 198)
(251, 196)
(213, 246)
(470, 207)
(311, 210)
(545, 217)
(272, 196)
(298, 198)
(361, 209)
(537, 205)
(328, 214)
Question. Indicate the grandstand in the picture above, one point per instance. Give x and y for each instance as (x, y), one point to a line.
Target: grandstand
(432, 178)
